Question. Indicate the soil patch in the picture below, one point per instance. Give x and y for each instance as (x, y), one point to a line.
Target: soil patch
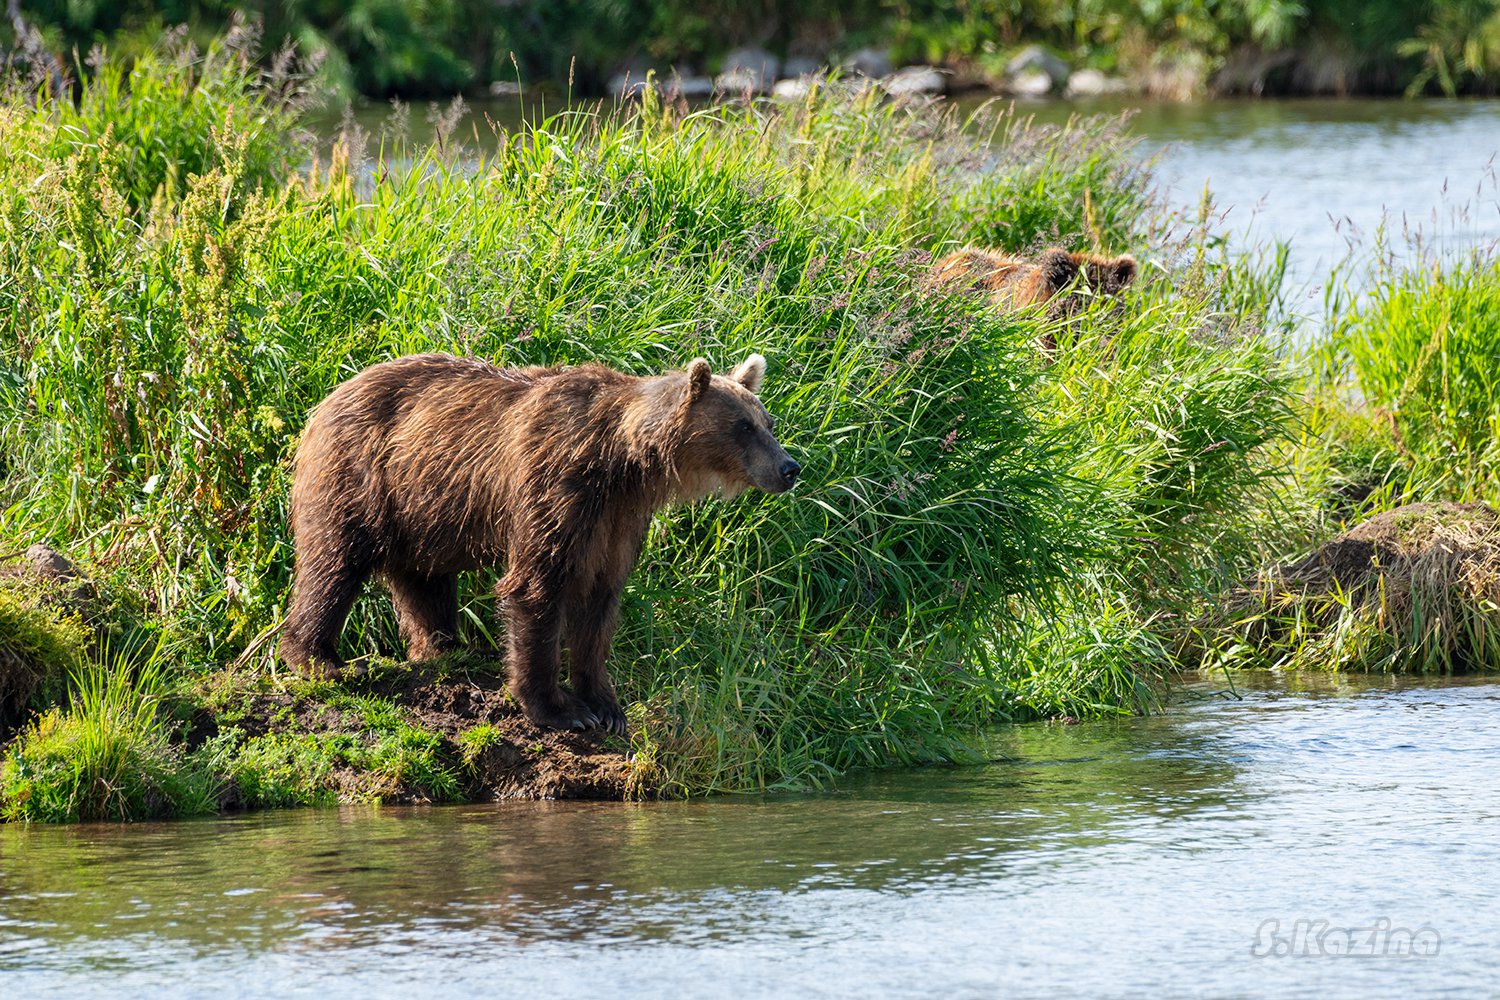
(496, 752)
(1417, 587)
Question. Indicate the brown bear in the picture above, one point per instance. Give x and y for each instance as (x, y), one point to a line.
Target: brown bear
(1016, 282)
(422, 467)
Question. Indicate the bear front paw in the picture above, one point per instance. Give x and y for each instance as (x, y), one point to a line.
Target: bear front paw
(321, 670)
(562, 711)
(610, 715)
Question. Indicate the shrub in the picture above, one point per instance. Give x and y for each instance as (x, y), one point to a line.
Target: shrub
(38, 646)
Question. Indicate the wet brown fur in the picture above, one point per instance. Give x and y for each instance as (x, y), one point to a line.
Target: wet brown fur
(423, 467)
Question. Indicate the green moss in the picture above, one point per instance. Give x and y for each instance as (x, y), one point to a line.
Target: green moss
(409, 757)
(38, 646)
(297, 767)
(328, 744)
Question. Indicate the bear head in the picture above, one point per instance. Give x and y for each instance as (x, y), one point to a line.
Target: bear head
(1058, 271)
(726, 439)
(1109, 275)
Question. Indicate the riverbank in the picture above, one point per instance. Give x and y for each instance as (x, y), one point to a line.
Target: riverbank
(595, 48)
(984, 532)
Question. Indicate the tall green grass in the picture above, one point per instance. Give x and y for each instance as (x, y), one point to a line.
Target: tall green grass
(972, 525)
(1417, 355)
(1400, 409)
(1175, 412)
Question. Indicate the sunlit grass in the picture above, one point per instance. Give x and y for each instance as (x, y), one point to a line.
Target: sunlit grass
(978, 535)
(106, 756)
(1401, 409)
(1420, 349)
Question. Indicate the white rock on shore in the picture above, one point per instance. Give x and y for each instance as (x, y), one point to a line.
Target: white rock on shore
(1032, 83)
(748, 69)
(1093, 83)
(911, 80)
(1035, 59)
(870, 62)
(794, 88)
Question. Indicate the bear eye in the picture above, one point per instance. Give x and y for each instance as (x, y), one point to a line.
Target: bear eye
(742, 428)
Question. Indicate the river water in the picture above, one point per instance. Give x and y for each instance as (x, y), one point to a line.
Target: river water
(1290, 839)
(1325, 175)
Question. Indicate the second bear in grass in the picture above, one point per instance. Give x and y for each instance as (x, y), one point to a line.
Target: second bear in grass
(1018, 281)
(1061, 280)
(423, 467)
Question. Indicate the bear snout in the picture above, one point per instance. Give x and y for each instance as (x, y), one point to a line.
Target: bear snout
(778, 475)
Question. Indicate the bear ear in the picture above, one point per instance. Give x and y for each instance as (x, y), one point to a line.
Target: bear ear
(751, 372)
(698, 373)
(1124, 271)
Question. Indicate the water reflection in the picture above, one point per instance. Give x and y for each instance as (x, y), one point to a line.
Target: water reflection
(536, 867)
(1126, 852)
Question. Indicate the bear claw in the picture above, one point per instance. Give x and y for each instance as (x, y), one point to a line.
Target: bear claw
(573, 715)
(611, 719)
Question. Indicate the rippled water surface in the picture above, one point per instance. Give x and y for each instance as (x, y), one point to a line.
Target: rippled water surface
(1136, 858)
(1324, 175)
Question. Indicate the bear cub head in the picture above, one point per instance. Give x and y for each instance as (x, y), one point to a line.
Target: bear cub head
(728, 441)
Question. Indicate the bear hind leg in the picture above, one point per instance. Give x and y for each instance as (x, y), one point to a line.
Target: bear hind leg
(323, 591)
(427, 608)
